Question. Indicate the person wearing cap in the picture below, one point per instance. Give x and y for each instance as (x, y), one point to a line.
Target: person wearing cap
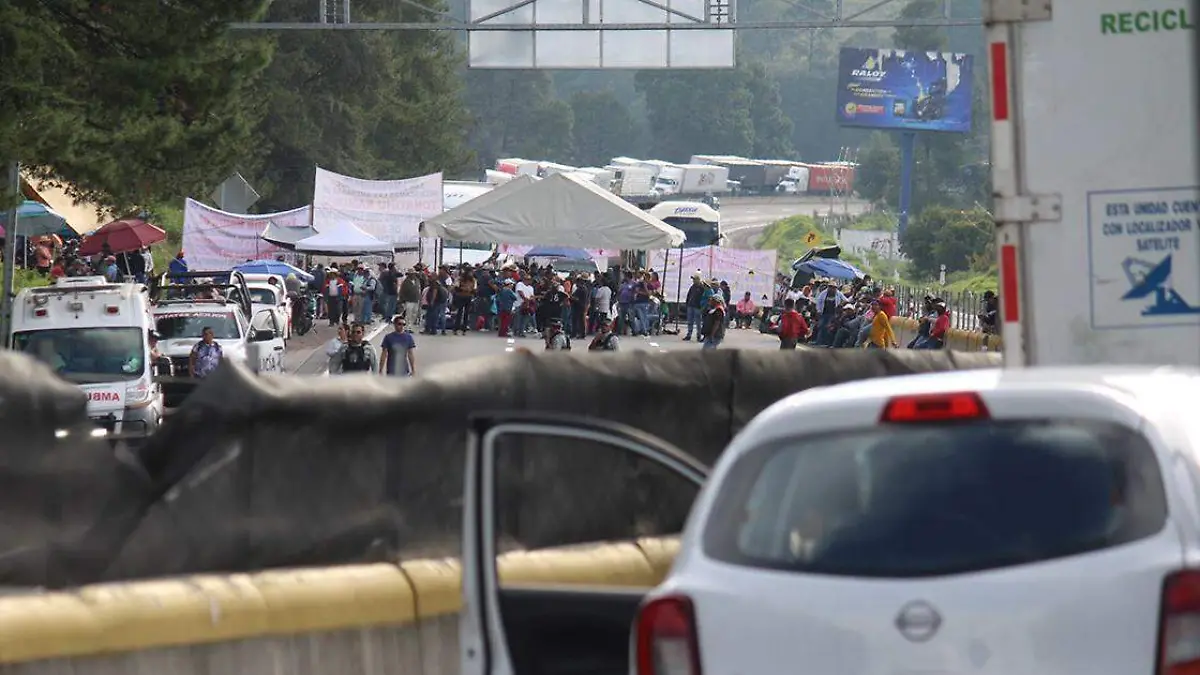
(991, 309)
(940, 327)
(713, 328)
(695, 304)
(605, 340)
(556, 339)
(111, 271)
(506, 301)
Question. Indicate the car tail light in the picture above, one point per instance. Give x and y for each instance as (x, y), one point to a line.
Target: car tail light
(665, 636)
(111, 309)
(935, 408)
(1179, 626)
(40, 312)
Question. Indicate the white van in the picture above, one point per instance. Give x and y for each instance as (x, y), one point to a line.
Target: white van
(94, 333)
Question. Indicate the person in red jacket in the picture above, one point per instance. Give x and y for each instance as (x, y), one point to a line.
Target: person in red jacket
(887, 302)
(941, 325)
(792, 326)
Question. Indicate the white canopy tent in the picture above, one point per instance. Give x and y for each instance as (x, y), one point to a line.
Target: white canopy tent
(561, 210)
(286, 237)
(342, 238)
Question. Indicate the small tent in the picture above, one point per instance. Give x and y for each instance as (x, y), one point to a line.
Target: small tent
(342, 238)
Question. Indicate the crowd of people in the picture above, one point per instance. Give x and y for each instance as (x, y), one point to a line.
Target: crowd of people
(54, 257)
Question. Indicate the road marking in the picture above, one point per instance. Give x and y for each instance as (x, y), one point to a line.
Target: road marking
(653, 344)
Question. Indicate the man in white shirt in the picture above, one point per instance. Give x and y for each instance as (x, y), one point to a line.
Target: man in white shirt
(601, 304)
(524, 294)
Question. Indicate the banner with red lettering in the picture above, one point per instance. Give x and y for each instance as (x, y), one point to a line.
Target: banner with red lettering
(390, 210)
(745, 270)
(217, 240)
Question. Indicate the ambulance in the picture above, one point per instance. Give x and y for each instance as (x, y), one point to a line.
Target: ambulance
(95, 334)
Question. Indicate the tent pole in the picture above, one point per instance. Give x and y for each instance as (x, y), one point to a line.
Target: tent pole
(679, 288)
(10, 255)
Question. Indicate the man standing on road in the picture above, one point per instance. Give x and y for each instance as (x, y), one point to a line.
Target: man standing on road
(358, 356)
(410, 295)
(397, 356)
(389, 283)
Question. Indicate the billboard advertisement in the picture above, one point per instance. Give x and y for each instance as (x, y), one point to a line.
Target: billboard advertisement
(904, 90)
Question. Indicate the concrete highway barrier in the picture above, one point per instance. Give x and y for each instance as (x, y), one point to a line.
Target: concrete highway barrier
(350, 620)
(956, 340)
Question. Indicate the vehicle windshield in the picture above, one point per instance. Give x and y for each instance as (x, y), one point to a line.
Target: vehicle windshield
(181, 325)
(934, 500)
(88, 355)
(263, 296)
(698, 232)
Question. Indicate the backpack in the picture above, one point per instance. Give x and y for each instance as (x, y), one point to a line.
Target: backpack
(354, 359)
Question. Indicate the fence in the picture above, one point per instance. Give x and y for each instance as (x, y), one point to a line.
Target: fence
(965, 306)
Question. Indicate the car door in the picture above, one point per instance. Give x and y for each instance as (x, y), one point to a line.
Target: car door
(269, 350)
(536, 482)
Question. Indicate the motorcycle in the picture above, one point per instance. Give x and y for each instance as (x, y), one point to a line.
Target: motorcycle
(304, 312)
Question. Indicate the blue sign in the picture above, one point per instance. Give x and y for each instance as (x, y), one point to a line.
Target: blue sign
(911, 91)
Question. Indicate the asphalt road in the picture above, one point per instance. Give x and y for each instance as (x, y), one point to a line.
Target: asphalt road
(306, 355)
(744, 218)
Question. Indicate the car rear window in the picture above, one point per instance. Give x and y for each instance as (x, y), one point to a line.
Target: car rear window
(927, 500)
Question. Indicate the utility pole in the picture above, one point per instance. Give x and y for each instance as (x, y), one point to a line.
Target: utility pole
(13, 185)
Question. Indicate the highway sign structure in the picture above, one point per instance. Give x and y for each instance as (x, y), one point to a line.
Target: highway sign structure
(612, 34)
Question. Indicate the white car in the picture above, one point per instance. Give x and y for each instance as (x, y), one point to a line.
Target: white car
(264, 297)
(1040, 522)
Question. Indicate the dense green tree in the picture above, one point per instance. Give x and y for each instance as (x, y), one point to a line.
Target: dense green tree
(772, 127)
(128, 102)
(736, 112)
(878, 176)
(941, 235)
(371, 105)
(515, 114)
(603, 128)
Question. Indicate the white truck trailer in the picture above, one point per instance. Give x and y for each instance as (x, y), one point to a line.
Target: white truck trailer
(1096, 180)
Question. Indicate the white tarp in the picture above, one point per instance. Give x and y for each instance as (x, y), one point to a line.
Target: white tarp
(286, 236)
(217, 240)
(389, 210)
(560, 210)
(342, 238)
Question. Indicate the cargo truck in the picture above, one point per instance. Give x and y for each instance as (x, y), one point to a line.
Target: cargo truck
(631, 180)
(517, 166)
(691, 180)
(1096, 181)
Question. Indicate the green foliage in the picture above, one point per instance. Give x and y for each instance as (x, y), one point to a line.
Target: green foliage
(945, 236)
(367, 104)
(128, 102)
(26, 278)
(876, 220)
(603, 128)
(793, 237)
(736, 112)
(975, 283)
(921, 38)
(516, 114)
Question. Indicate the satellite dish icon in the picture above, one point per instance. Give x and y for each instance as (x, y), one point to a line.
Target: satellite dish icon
(1155, 282)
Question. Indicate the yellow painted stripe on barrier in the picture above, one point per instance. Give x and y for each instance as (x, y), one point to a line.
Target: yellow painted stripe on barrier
(661, 554)
(957, 340)
(142, 615)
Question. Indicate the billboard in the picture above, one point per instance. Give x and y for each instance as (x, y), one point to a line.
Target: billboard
(905, 90)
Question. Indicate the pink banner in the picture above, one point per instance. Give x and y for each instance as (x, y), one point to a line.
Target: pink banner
(745, 270)
(217, 240)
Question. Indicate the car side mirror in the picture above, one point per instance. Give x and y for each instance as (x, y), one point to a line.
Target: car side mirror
(262, 335)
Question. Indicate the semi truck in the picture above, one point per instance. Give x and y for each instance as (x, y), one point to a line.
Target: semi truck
(1096, 181)
(691, 179)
